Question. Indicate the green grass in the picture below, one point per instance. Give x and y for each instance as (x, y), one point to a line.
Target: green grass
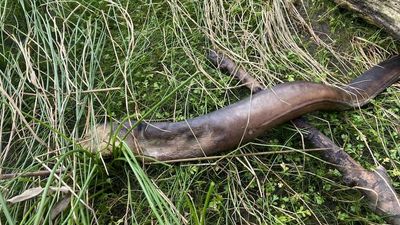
(67, 65)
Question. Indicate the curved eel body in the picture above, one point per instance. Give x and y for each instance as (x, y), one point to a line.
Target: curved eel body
(235, 124)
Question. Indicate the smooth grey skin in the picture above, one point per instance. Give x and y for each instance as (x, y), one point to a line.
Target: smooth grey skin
(236, 124)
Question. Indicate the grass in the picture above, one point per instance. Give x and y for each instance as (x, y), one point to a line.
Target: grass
(67, 65)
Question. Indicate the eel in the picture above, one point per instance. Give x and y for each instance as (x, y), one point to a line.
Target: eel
(233, 125)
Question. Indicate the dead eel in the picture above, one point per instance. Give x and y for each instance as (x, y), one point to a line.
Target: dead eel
(238, 123)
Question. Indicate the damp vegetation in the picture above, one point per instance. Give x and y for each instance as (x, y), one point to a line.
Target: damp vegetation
(66, 66)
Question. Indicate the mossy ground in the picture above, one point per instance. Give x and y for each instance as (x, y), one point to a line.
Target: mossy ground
(68, 65)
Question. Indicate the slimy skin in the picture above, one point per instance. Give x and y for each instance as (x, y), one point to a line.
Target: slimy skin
(238, 123)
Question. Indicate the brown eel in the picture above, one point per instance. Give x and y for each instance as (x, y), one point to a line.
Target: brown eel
(235, 124)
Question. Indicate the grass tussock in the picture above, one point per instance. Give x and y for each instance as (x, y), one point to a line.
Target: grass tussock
(67, 65)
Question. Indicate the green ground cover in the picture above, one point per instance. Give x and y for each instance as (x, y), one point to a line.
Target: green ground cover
(67, 65)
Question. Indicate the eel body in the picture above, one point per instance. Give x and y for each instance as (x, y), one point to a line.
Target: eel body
(233, 125)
